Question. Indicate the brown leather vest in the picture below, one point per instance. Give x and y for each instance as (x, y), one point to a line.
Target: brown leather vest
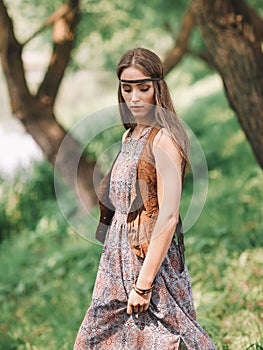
(143, 211)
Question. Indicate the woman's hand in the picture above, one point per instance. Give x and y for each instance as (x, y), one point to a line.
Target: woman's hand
(138, 303)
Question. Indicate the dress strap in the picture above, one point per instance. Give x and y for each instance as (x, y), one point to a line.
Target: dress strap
(153, 133)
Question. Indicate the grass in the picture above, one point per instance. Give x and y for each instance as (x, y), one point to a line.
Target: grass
(48, 271)
(47, 277)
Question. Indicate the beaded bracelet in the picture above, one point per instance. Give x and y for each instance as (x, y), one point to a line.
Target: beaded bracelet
(141, 291)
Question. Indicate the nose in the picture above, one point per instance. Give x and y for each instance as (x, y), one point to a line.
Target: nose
(135, 95)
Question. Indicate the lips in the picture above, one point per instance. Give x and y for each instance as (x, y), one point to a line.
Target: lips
(136, 107)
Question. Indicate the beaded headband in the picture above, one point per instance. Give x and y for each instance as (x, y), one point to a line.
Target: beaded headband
(140, 80)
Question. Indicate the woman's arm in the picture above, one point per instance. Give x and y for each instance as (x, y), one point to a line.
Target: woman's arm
(169, 186)
(168, 167)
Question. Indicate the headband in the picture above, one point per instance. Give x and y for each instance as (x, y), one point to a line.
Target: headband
(140, 80)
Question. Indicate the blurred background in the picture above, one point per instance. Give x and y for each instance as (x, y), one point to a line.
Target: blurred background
(69, 53)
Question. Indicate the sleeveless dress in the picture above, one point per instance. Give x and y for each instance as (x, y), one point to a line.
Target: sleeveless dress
(171, 314)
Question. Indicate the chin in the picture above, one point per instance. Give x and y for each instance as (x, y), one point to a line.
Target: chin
(139, 115)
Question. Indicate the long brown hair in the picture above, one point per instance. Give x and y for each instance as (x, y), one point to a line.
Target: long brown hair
(165, 116)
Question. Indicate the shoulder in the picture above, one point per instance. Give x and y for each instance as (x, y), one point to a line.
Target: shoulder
(125, 134)
(163, 135)
(163, 143)
(163, 139)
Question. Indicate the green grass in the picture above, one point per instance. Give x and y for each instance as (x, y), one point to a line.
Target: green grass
(48, 271)
(47, 277)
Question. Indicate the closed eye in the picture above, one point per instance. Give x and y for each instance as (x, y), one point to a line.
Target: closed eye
(144, 89)
(127, 88)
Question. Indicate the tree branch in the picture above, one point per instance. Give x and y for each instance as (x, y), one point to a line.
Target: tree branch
(59, 13)
(63, 38)
(10, 53)
(174, 56)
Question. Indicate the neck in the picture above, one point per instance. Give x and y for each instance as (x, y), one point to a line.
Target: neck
(138, 131)
(141, 123)
(140, 127)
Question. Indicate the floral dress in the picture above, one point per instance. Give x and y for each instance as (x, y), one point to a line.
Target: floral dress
(171, 314)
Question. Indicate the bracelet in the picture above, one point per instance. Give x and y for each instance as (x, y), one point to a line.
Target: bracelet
(141, 291)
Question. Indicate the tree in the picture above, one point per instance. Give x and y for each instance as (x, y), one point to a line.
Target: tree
(36, 112)
(232, 32)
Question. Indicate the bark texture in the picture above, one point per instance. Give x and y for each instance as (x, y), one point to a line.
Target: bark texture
(232, 32)
(233, 42)
(36, 111)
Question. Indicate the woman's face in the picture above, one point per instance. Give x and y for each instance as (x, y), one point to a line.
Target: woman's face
(139, 97)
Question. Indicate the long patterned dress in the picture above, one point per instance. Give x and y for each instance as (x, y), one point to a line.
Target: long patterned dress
(171, 314)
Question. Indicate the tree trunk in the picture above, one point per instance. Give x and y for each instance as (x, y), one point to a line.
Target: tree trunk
(36, 112)
(73, 167)
(233, 42)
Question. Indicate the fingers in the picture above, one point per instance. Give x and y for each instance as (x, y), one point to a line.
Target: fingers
(145, 308)
(137, 304)
(129, 309)
(141, 308)
(136, 308)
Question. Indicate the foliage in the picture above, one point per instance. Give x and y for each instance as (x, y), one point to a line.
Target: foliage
(106, 28)
(31, 186)
(120, 25)
(257, 5)
(43, 284)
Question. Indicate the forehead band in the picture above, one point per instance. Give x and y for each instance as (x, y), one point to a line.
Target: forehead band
(138, 81)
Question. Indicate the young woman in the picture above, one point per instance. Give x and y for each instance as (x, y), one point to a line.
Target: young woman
(142, 297)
